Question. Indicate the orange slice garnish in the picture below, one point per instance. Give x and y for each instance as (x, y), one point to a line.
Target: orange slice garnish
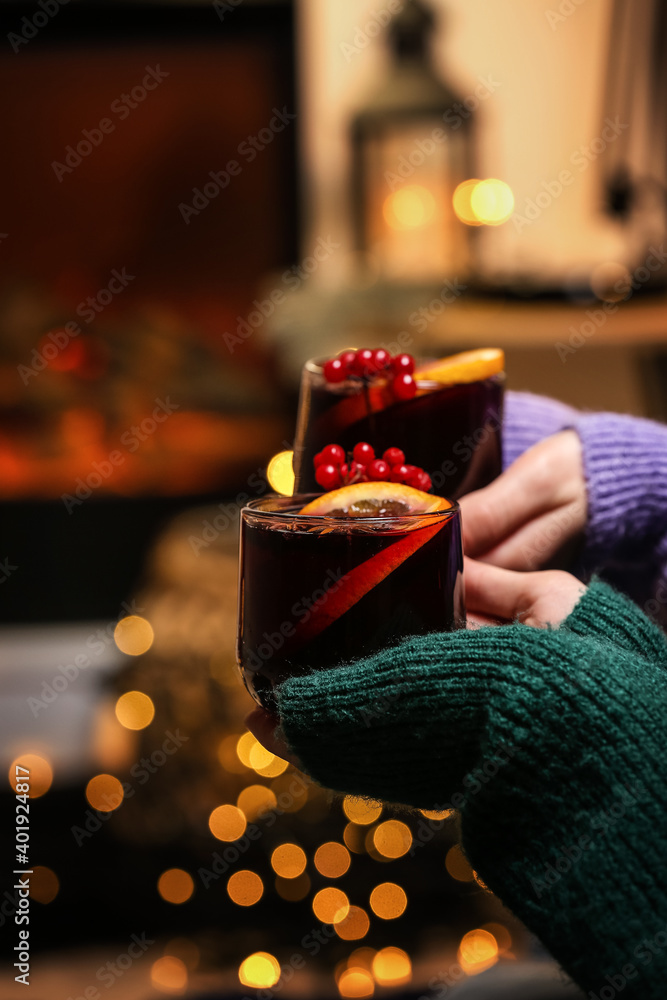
(372, 500)
(468, 366)
(375, 500)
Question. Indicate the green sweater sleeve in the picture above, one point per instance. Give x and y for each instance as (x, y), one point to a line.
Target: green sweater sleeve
(605, 614)
(551, 744)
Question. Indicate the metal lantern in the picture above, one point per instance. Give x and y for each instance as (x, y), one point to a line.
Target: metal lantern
(411, 149)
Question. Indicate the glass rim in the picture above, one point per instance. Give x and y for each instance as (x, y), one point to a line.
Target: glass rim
(315, 367)
(254, 507)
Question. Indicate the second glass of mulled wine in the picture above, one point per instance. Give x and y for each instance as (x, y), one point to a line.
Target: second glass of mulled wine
(451, 429)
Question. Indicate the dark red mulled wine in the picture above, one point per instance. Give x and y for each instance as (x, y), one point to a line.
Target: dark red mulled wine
(317, 591)
(451, 431)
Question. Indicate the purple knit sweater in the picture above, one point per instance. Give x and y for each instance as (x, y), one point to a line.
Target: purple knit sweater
(625, 461)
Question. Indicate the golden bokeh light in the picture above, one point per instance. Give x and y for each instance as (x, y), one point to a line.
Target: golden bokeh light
(362, 957)
(388, 900)
(410, 207)
(330, 905)
(134, 635)
(244, 745)
(169, 974)
(245, 888)
(492, 202)
(361, 811)
(135, 710)
(186, 950)
(280, 473)
(255, 800)
(501, 934)
(370, 848)
(392, 967)
(437, 814)
(252, 754)
(293, 889)
(44, 884)
(354, 837)
(332, 859)
(478, 951)
(175, 885)
(392, 838)
(38, 779)
(228, 756)
(265, 762)
(356, 982)
(461, 202)
(288, 860)
(354, 925)
(458, 865)
(227, 822)
(104, 792)
(259, 970)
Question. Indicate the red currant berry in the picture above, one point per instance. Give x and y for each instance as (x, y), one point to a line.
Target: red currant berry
(378, 470)
(404, 387)
(398, 473)
(424, 482)
(344, 472)
(403, 364)
(363, 363)
(327, 476)
(347, 358)
(334, 371)
(357, 470)
(394, 456)
(381, 359)
(333, 453)
(414, 479)
(363, 453)
(319, 459)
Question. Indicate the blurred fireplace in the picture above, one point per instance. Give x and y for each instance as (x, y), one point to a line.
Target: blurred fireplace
(149, 180)
(212, 86)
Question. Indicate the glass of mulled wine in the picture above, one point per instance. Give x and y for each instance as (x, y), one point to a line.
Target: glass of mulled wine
(319, 590)
(452, 431)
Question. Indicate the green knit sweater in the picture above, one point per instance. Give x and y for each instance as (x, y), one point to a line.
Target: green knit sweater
(551, 744)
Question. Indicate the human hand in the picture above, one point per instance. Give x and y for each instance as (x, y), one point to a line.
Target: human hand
(532, 733)
(493, 596)
(533, 516)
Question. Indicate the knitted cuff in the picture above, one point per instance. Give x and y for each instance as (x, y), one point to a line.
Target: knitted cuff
(528, 418)
(611, 617)
(402, 726)
(625, 461)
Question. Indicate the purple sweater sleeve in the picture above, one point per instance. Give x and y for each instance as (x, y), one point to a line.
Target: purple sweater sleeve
(625, 462)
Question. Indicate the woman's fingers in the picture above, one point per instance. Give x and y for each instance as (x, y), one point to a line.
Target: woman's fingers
(545, 478)
(475, 620)
(537, 599)
(547, 541)
(496, 593)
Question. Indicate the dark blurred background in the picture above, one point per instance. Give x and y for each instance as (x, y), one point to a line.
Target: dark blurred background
(196, 197)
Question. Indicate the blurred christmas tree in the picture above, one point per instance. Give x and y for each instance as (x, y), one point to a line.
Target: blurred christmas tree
(256, 860)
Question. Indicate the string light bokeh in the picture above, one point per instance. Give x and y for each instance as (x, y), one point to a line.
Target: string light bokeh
(234, 838)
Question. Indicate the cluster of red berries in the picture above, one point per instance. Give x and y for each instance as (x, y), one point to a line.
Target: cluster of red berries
(334, 469)
(366, 364)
